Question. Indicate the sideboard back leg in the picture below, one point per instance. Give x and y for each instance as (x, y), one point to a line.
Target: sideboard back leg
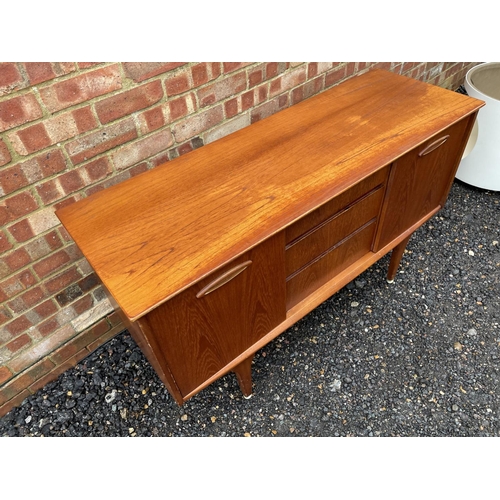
(244, 375)
(396, 255)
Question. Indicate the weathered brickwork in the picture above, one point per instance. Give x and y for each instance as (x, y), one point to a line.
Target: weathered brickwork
(68, 130)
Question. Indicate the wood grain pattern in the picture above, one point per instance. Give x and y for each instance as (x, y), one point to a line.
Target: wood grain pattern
(332, 231)
(321, 214)
(155, 235)
(418, 184)
(194, 338)
(331, 263)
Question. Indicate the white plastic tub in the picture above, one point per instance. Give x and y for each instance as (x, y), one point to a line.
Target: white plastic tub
(480, 165)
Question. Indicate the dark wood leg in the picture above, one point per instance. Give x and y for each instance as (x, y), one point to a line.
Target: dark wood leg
(396, 255)
(244, 375)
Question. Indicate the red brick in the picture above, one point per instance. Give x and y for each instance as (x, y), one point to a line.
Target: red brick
(247, 100)
(288, 81)
(10, 78)
(84, 119)
(126, 103)
(32, 296)
(47, 327)
(231, 107)
(12, 179)
(184, 148)
(335, 76)
(142, 149)
(44, 165)
(66, 202)
(86, 338)
(16, 207)
(178, 108)
(38, 248)
(31, 139)
(81, 88)
(62, 280)
(18, 343)
(138, 169)
(39, 72)
(45, 309)
(17, 259)
(85, 65)
(87, 147)
(140, 71)
(152, 119)
(50, 191)
(159, 159)
(97, 169)
(199, 74)
(83, 304)
(233, 66)
(114, 319)
(51, 263)
(5, 374)
(265, 110)
(307, 90)
(42, 348)
(5, 156)
(53, 240)
(255, 77)
(204, 72)
(5, 244)
(18, 110)
(193, 126)
(71, 181)
(5, 314)
(52, 131)
(220, 90)
(177, 84)
(271, 70)
(16, 284)
(18, 326)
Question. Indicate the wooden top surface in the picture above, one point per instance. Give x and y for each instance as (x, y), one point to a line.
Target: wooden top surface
(152, 236)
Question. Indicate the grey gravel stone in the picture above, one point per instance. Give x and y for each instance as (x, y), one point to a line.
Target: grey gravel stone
(389, 369)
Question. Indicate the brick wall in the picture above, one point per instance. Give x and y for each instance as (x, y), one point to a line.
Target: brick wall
(68, 130)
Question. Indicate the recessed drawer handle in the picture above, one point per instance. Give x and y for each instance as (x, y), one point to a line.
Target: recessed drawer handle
(434, 145)
(223, 279)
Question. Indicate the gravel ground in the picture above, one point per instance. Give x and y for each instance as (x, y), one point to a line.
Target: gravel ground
(418, 357)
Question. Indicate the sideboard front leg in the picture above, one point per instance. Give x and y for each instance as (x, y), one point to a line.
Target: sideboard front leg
(396, 255)
(244, 375)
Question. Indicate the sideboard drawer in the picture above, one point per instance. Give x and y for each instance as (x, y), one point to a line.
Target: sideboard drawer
(305, 281)
(340, 202)
(331, 232)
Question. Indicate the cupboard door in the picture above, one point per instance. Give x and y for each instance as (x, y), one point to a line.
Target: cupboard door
(420, 180)
(201, 330)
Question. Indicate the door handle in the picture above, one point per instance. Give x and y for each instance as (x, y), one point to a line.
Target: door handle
(433, 145)
(223, 279)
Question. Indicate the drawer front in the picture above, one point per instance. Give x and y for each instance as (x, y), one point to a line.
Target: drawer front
(302, 283)
(330, 208)
(332, 231)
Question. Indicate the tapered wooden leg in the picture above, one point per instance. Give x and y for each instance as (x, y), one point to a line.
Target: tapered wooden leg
(396, 255)
(244, 375)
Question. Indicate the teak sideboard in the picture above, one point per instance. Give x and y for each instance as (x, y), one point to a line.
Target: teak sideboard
(212, 255)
